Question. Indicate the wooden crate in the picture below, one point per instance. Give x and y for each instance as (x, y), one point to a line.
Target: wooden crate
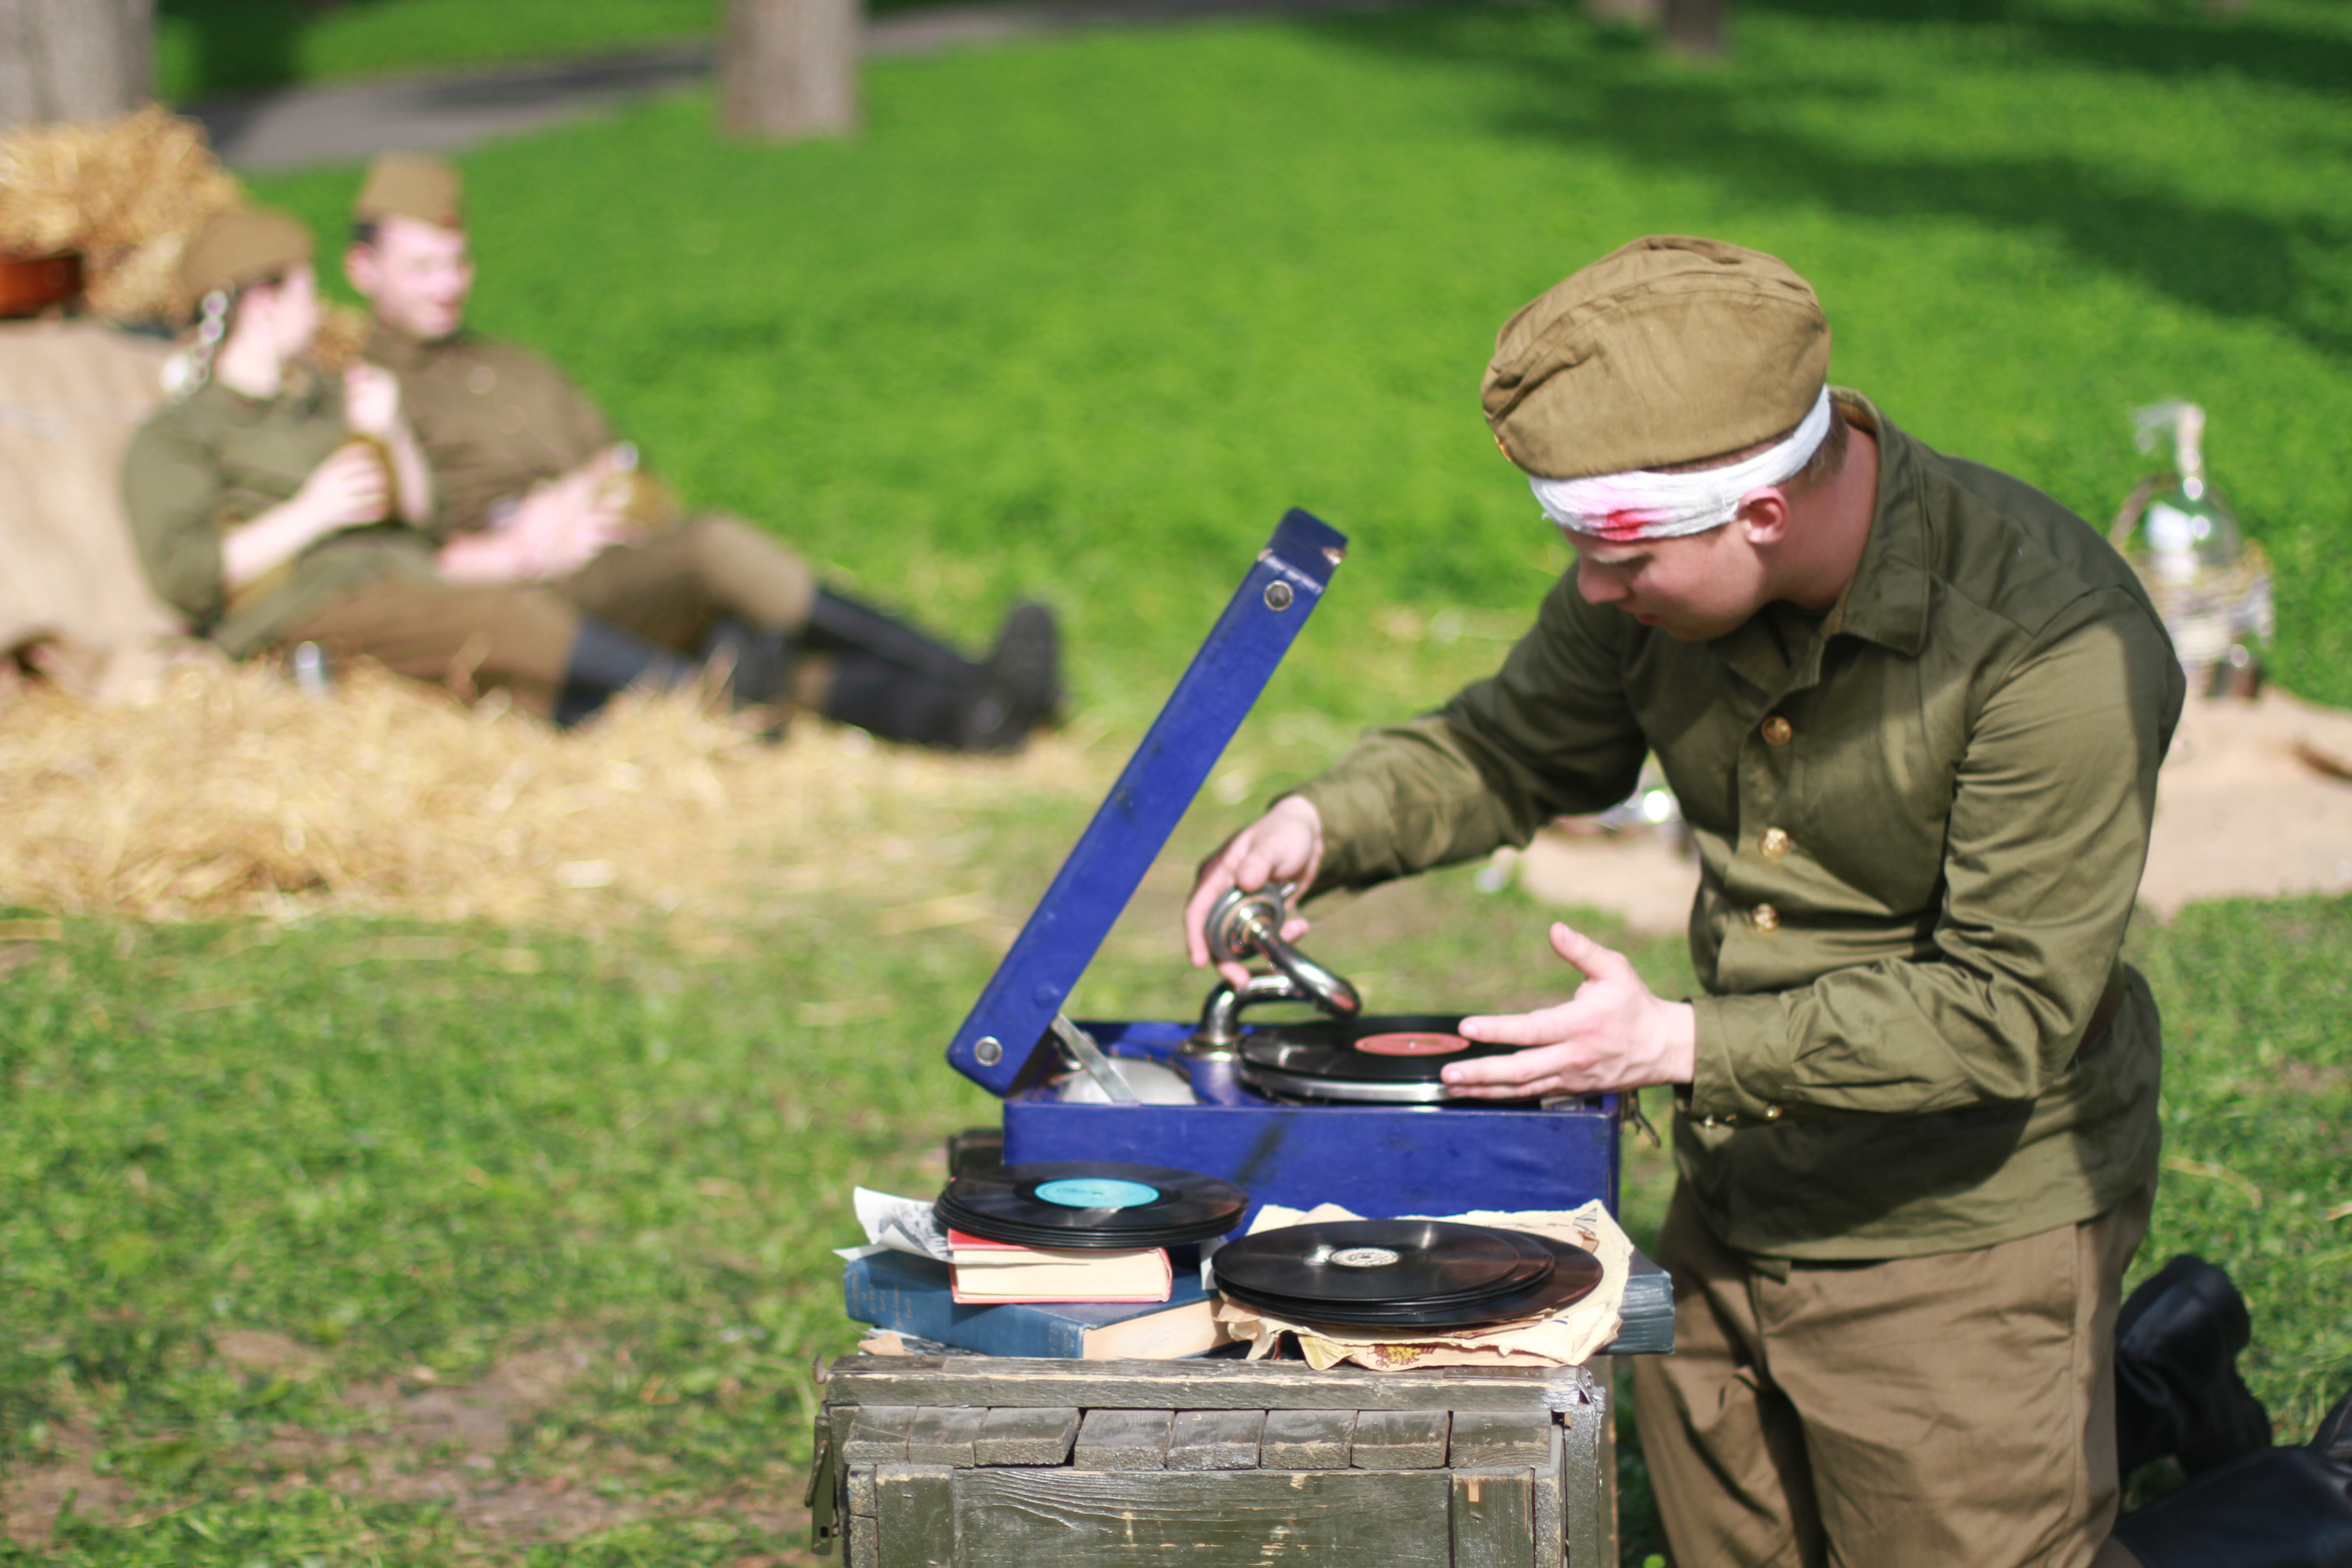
(995, 1462)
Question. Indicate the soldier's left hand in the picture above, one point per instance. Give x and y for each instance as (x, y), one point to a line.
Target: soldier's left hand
(1614, 1034)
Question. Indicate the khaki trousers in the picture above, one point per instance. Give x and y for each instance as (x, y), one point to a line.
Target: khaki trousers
(466, 637)
(1955, 1410)
(675, 586)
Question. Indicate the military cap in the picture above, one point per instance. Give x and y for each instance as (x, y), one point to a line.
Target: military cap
(240, 246)
(411, 184)
(1667, 351)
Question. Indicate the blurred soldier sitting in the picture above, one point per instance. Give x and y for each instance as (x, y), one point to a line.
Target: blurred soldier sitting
(534, 487)
(273, 505)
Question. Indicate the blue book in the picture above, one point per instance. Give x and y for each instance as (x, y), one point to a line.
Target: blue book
(898, 1290)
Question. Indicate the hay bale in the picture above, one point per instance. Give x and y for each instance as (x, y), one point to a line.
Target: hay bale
(225, 791)
(127, 193)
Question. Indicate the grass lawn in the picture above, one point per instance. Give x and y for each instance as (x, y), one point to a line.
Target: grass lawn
(206, 48)
(368, 1242)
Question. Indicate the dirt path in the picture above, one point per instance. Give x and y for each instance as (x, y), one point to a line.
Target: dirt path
(440, 111)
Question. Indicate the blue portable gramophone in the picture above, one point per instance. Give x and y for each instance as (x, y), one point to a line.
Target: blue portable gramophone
(1345, 1108)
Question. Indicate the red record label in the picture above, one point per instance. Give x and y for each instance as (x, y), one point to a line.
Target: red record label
(1412, 1045)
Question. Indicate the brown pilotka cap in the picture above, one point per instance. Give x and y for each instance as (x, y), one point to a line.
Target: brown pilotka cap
(411, 184)
(1669, 351)
(239, 245)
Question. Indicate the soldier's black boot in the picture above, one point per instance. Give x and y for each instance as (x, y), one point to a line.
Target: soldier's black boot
(2283, 1508)
(2177, 1384)
(757, 663)
(896, 683)
(2333, 1438)
(605, 661)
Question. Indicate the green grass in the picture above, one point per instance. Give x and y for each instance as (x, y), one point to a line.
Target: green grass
(206, 48)
(1077, 320)
(1081, 319)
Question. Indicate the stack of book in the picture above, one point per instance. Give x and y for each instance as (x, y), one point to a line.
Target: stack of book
(916, 1297)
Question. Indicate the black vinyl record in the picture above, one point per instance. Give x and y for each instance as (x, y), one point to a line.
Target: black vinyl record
(1333, 1293)
(1092, 1204)
(1398, 1059)
(1384, 1262)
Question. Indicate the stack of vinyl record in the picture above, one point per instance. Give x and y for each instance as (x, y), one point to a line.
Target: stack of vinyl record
(1413, 1276)
(1087, 1204)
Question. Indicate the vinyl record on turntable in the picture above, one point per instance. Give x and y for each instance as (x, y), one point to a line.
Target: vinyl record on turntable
(1395, 1060)
(1092, 1204)
(1404, 1274)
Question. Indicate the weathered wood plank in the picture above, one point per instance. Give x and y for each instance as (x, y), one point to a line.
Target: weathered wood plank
(1604, 1471)
(1079, 1519)
(877, 1434)
(865, 1543)
(1015, 1436)
(1494, 1518)
(1193, 1384)
(861, 1491)
(915, 1513)
(943, 1434)
(1123, 1440)
(1399, 1440)
(1483, 1438)
(1589, 1484)
(1307, 1440)
(1551, 1505)
(1214, 1439)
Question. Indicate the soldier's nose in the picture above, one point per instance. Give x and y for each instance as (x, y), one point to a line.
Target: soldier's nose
(1598, 584)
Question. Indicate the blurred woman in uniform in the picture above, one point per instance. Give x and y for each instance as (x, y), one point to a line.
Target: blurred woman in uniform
(274, 504)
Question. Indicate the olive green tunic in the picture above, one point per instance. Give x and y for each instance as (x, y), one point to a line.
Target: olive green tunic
(222, 458)
(1921, 834)
(494, 419)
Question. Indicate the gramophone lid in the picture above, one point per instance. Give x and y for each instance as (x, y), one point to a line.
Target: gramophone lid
(1002, 1045)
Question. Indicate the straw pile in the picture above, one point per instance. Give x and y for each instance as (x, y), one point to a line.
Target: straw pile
(126, 194)
(226, 791)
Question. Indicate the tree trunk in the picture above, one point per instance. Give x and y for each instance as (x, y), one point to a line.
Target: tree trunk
(1643, 13)
(75, 59)
(1694, 27)
(789, 68)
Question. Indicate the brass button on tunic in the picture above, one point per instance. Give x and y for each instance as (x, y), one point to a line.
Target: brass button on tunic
(1774, 844)
(1778, 732)
(1766, 917)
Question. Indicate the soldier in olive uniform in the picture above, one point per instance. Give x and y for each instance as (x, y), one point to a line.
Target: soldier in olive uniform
(535, 488)
(1913, 711)
(273, 505)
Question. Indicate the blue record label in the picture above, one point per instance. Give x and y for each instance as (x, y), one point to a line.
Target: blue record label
(1097, 1193)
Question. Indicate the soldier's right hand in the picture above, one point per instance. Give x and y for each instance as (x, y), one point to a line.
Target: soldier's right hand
(567, 523)
(348, 491)
(1285, 845)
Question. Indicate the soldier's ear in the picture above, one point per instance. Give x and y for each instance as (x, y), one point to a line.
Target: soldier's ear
(1764, 513)
(361, 268)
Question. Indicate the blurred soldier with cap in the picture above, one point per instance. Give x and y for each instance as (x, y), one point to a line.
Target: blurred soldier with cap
(1913, 711)
(274, 505)
(535, 488)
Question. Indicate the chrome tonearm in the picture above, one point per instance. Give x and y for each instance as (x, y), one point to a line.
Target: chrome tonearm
(1242, 926)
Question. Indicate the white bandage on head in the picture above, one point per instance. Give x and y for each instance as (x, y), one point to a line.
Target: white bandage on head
(1644, 504)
